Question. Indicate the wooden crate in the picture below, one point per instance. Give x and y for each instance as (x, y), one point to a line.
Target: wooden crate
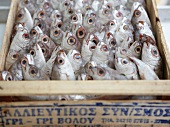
(89, 113)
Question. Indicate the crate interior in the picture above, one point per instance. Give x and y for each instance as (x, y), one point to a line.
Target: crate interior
(153, 14)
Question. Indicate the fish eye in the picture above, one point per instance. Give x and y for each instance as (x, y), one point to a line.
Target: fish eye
(15, 56)
(39, 25)
(25, 36)
(70, 11)
(45, 39)
(32, 52)
(105, 12)
(81, 33)
(9, 78)
(26, 1)
(88, 8)
(20, 16)
(130, 44)
(71, 41)
(59, 25)
(104, 48)
(119, 14)
(33, 32)
(137, 13)
(95, 40)
(125, 27)
(41, 14)
(88, 77)
(77, 56)
(100, 72)
(155, 52)
(66, 4)
(56, 33)
(124, 51)
(92, 48)
(90, 21)
(74, 18)
(33, 71)
(112, 23)
(43, 50)
(58, 16)
(138, 49)
(109, 6)
(125, 61)
(90, 66)
(24, 61)
(113, 42)
(60, 61)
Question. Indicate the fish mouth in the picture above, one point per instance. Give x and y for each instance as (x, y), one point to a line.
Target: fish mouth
(26, 36)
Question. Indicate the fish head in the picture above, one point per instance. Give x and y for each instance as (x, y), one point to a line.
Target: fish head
(27, 60)
(89, 19)
(89, 67)
(40, 23)
(136, 48)
(32, 72)
(40, 14)
(21, 15)
(80, 31)
(61, 59)
(6, 76)
(120, 52)
(102, 48)
(75, 56)
(56, 32)
(57, 22)
(77, 17)
(112, 25)
(45, 49)
(150, 50)
(70, 39)
(110, 40)
(24, 3)
(36, 31)
(117, 15)
(105, 13)
(56, 14)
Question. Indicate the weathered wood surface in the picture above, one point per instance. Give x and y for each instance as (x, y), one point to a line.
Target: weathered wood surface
(24, 88)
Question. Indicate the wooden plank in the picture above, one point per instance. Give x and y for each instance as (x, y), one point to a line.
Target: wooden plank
(7, 36)
(86, 114)
(25, 88)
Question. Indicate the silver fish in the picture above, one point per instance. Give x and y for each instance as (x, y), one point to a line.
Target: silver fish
(42, 25)
(89, 21)
(12, 57)
(101, 54)
(113, 26)
(28, 4)
(62, 69)
(69, 41)
(50, 63)
(127, 68)
(30, 71)
(41, 14)
(56, 35)
(35, 34)
(77, 18)
(38, 56)
(110, 41)
(135, 49)
(21, 40)
(88, 47)
(79, 31)
(57, 23)
(7, 76)
(145, 72)
(49, 44)
(118, 16)
(75, 59)
(138, 13)
(46, 5)
(16, 70)
(24, 17)
(151, 56)
(144, 32)
(56, 14)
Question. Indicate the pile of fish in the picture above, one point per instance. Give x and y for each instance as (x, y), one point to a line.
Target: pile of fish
(82, 40)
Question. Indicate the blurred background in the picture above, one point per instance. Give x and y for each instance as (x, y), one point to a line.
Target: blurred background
(163, 7)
